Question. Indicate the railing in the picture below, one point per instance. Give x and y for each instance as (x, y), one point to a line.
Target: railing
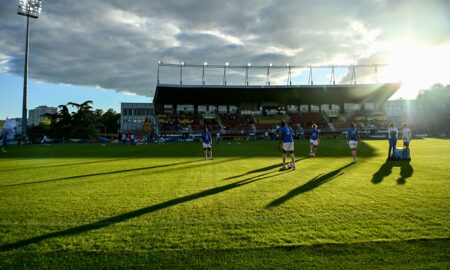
(270, 75)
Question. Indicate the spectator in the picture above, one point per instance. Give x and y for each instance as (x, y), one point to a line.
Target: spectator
(392, 136)
(407, 135)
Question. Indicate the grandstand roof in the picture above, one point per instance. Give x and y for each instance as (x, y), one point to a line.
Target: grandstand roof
(300, 94)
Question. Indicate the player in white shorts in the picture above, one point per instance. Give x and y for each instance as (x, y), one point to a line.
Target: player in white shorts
(314, 141)
(288, 144)
(353, 140)
(206, 141)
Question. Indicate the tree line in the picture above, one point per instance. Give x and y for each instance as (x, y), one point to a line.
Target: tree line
(433, 108)
(83, 122)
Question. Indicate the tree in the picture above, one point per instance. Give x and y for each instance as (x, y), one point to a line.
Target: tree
(64, 121)
(109, 122)
(84, 124)
(433, 108)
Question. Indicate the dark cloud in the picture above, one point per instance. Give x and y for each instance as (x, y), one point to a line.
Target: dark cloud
(116, 44)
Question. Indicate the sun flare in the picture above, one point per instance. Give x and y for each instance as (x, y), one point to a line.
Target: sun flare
(417, 67)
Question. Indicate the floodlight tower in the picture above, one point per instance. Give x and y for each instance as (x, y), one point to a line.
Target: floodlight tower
(27, 8)
(181, 73)
(205, 64)
(268, 74)
(246, 73)
(159, 64)
(225, 73)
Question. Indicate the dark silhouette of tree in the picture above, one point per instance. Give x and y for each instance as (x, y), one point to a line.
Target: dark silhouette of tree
(109, 122)
(83, 120)
(64, 121)
(433, 108)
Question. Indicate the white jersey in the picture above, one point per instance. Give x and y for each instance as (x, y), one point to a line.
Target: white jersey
(407, 135)
(392, 133)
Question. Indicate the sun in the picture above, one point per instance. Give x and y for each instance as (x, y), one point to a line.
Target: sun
(416, 67)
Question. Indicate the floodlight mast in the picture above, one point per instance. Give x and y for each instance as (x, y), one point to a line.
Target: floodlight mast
(27, 8)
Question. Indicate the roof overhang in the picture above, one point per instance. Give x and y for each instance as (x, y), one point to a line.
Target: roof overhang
(302, 94)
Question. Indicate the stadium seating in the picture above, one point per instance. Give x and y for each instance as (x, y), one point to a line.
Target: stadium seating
(306, 120)
(236, 123)
(269, 122)
(370, 120)
(175, 123)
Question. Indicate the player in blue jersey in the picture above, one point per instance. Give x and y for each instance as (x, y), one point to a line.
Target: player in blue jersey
(206, 141)
(218, 137)
(392, 136)
(353, 140)
(287, 142)
(314, 141)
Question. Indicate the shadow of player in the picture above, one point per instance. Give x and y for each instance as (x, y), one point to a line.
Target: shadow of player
(308, 186)
(106, 222)
(263, 169)
(406, 171)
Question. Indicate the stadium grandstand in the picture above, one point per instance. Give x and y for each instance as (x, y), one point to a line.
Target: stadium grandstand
(255, 110)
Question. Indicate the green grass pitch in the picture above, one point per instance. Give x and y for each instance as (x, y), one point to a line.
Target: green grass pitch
(162, 206)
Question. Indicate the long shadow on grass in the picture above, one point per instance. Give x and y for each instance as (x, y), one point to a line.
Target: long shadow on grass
(310, 185)
(62, 165)
(137, 213)
(116, 172)
(406, 171)
(201, 164)
(263, 169)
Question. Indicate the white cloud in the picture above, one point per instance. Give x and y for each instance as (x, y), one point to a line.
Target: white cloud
(3, 63)
(116, 44)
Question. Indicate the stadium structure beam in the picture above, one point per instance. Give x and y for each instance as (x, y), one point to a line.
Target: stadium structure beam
(181, 73)
(245, 70)
(225, 73)
(268, 74)
(289, 79)
(209, 65)
(205, 64)
(159, 64)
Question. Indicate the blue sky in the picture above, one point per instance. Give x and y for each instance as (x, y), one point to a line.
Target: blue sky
(107, 50)
(56, 94)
